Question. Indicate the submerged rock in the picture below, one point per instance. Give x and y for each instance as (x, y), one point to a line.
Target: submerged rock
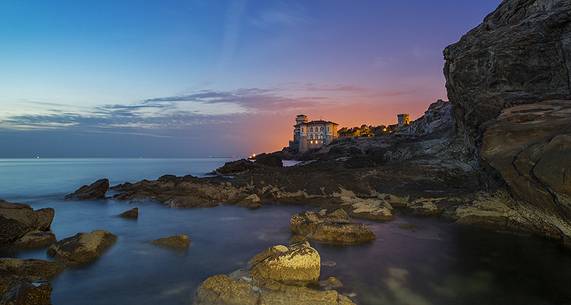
(82, 248)
(279, 283)
(94, 191)
(22, 226)
(131, 214)
(333, 228)
(179, 242)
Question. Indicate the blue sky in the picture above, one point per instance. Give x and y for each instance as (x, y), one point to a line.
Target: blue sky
(199, 77)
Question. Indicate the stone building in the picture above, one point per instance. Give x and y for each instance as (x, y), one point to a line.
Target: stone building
(403, 119)
(309, 135)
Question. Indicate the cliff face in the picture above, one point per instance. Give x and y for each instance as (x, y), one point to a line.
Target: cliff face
(510, 83)
(520, 54)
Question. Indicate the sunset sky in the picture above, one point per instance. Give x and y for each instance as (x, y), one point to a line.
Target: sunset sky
(199, 78)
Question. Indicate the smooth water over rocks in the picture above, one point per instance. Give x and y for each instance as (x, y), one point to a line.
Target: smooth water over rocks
(414, 261)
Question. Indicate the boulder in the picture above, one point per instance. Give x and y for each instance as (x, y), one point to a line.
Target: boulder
(82, 248)
(94, 191)
(332, 228)
(24, 281)
(519, 55)
(131, 214)
(277, 283)
(21, 225)
(180, 242)
(299, 263)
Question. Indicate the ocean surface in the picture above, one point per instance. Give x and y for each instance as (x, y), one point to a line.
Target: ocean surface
(437, 263)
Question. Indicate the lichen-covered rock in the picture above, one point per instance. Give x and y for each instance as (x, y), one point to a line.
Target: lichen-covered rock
(273, 286)
(368, 208)
(82, 248)
(299, 263)
(33, 269)
(94, 191)
(130, 214)
(22, 226)
(252, 201)
(333, 228)
(520, 54)
(180, 242)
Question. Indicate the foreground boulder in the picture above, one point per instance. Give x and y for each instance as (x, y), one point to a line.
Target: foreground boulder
(82, 248)
(276, 276)
(23, 227)
(130, 214)
(333, 228)
(94, 191)
(179, 242)
(25, 282)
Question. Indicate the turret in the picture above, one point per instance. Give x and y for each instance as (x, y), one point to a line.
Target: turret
(300, 119)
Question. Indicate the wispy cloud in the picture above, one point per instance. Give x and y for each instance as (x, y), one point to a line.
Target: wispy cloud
(283, 14)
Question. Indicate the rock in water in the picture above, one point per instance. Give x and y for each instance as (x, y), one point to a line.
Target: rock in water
(332, 228)
(520, 54)
(180, 242)
(295, 264)
(131, 214)
(252, 201)
(21, 226)
(272, 279)
(82, 248)
(24, 282)
(94, 191)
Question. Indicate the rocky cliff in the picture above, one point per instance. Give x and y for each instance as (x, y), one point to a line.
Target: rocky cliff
(520, 54)
(509, 80)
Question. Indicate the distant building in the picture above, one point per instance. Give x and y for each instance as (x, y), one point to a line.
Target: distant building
(311, 135)
(403, 119)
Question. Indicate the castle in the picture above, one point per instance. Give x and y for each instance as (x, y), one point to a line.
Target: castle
(309, 135)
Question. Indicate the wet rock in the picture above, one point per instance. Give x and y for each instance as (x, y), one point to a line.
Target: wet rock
(20, 224)
(331, 283)
(367, 208)
(180, 242)
(296, 264)
(82, 248)
(35, 239)
(333, 228)
(24, 281)
(254, 287)
(94, 191)
(130, 214)
(252, 201)
(425, 206)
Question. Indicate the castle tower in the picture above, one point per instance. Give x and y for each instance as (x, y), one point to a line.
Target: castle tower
(302, 118)
(403, 119)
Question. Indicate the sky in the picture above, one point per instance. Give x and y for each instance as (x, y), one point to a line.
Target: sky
(200, 78)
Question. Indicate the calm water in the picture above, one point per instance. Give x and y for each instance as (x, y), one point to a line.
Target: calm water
(437, 264)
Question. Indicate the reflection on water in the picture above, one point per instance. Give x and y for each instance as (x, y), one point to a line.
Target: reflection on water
(430, 263)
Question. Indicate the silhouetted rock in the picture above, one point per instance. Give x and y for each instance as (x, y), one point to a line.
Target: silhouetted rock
(272, 160)
(131, 214)
(94, 191)
(82, 248)
(180, 242)
(236, 167)
(21, 226)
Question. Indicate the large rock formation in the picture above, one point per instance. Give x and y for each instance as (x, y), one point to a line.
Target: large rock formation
(82, 248)
(520, 54)
(94, 191)
(510, 82)
(21, 226)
